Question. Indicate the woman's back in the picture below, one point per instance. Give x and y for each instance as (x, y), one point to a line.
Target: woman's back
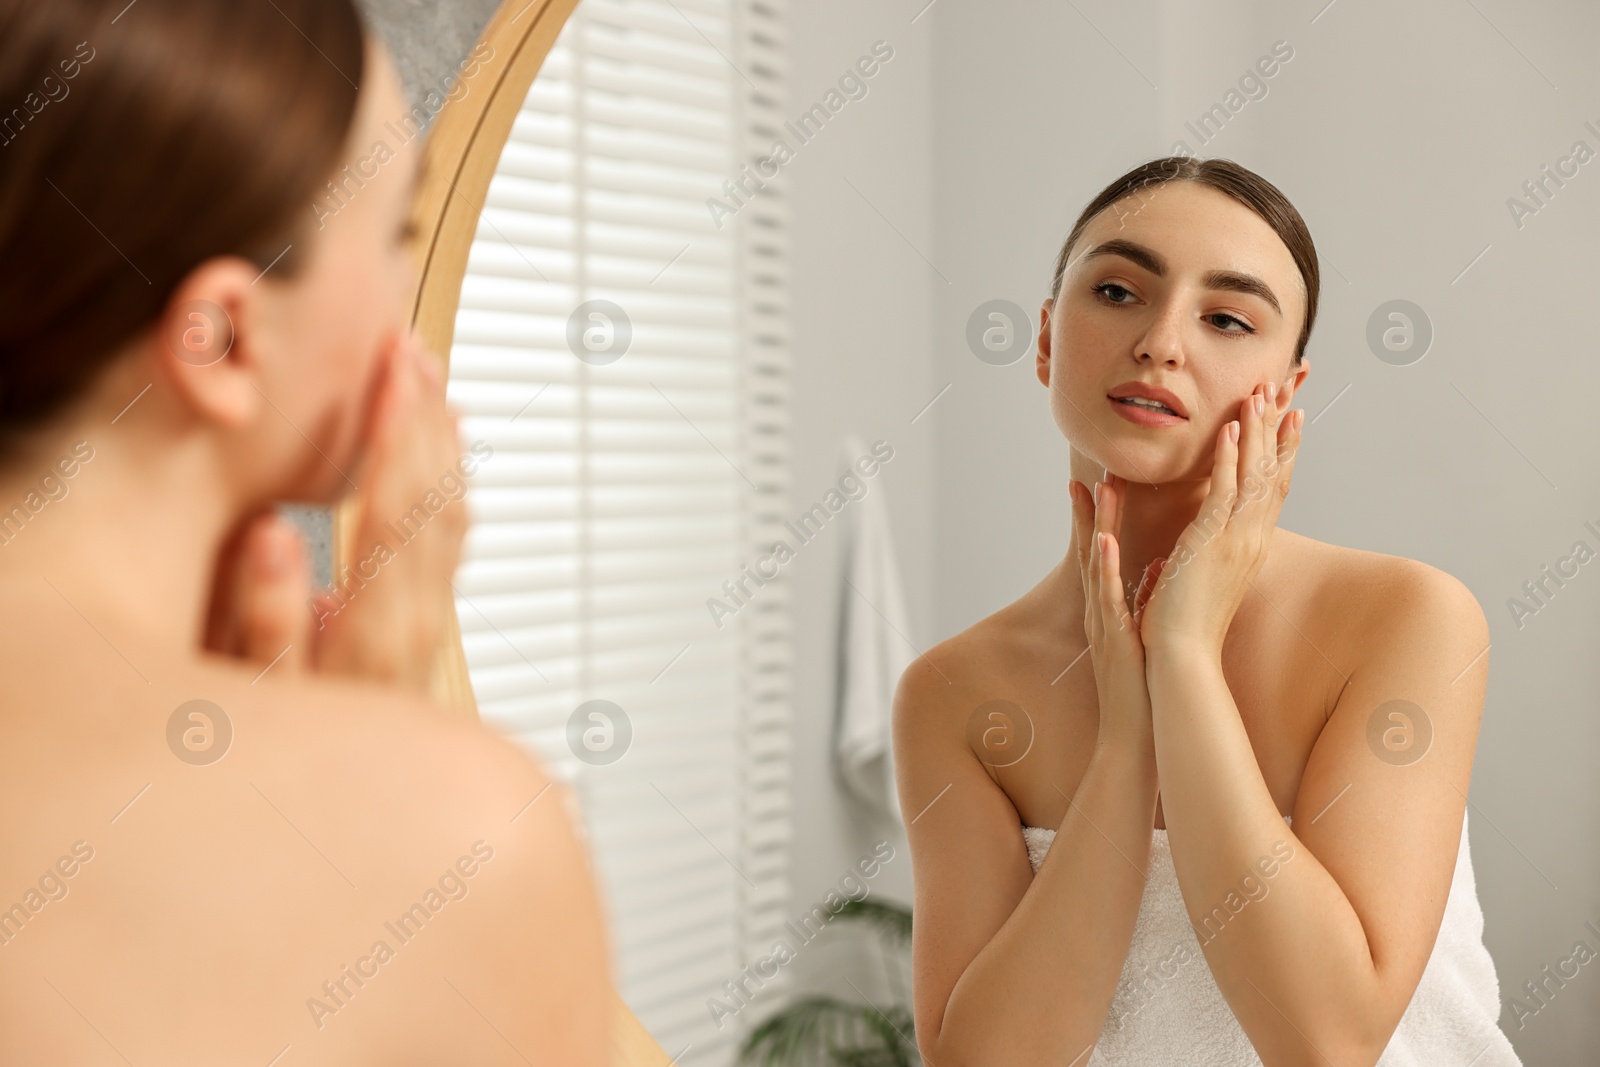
(352, 874)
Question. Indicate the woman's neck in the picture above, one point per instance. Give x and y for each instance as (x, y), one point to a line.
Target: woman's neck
(125, 528)
(1153, 518)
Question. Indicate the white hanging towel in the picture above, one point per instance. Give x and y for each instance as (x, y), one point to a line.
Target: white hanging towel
(874, 646)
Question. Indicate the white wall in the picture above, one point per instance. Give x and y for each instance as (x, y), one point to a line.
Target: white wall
(863, 320)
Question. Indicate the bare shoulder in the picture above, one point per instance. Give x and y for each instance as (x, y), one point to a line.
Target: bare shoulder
(942, 687)
(1397, 629)
(386, 735)
(445, 795)
(1367, 592)
(412, 766)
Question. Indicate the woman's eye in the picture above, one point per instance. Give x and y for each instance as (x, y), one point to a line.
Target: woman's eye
(1104, 289)
(1109, 292)
(1243, 326)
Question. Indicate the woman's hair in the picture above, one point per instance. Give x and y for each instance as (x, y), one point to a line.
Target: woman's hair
(1226, 176)
(136, 142)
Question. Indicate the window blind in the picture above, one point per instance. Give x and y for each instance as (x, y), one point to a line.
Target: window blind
(623, 490)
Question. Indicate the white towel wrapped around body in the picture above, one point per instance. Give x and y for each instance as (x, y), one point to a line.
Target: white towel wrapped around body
(1169, 1012)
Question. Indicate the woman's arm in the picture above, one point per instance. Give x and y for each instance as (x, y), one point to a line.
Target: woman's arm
(1013, 968)
(1317, 948)
(1319, 964)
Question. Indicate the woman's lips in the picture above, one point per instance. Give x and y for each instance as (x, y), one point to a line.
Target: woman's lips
(1145, 416)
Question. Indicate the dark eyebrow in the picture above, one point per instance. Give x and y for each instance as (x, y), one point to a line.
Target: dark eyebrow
(1229, 280)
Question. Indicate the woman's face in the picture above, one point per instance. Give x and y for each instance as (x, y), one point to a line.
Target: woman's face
(326, 327)
(1177, 287)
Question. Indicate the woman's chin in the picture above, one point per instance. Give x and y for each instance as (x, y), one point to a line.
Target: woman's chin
(1138, 460)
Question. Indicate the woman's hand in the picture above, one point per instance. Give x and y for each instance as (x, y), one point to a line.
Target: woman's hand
(382, 620)
(1219, 554)
(1112, 630)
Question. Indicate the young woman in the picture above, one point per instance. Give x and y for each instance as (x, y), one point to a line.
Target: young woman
(235, 829)
(1199, 796)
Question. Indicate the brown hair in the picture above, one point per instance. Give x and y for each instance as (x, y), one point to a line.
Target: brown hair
(1226, 176)
(138, 141)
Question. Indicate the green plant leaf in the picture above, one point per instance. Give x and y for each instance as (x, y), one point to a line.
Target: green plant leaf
(892, 921)
(896, 1032)
(817, 1030)
(870, 1057)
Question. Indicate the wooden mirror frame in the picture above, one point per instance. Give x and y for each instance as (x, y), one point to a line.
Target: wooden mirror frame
(460, 153)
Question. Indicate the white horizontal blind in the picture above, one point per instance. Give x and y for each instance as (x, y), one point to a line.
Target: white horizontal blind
(621, 495)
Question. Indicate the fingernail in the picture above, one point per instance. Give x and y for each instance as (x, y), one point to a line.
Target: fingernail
(1272, 392)
(1261, 403)
(1233, 431)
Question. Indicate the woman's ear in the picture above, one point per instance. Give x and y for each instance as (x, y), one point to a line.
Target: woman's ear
(207, 343)
(1042, 360)
(1299, 378)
